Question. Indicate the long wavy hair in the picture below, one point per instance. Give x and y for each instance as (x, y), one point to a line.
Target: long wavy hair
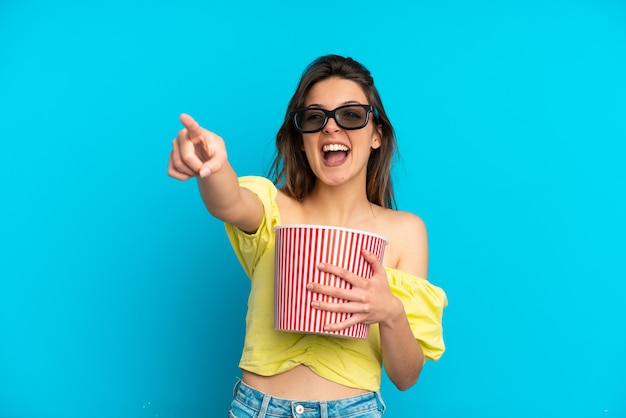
(290, 169)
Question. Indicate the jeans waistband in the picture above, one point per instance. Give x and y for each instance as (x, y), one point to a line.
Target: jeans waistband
(272, 406)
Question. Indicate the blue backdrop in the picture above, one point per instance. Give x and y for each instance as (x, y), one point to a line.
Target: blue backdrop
(119, 295)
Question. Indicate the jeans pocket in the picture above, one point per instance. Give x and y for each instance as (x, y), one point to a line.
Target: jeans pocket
(370, 413)
(239, 410)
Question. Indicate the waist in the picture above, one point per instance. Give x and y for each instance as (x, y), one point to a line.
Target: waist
(300, 383)
(272, 405)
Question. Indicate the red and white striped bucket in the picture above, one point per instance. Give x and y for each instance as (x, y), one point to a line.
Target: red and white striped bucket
(299, 249)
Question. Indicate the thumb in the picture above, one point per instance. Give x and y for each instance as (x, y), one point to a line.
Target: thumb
(193, 128)
(370, 257)
(206, 169)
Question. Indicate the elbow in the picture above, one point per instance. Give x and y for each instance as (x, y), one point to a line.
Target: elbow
(406, 384)
(404, 388)
(407, 379)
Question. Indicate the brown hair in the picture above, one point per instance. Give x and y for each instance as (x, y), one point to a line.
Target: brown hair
(290, 169)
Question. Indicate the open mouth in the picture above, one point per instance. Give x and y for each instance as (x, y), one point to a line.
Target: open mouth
(335, 153)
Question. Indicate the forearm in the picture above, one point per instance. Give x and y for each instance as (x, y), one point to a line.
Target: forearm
(227, 201)
(402, 356)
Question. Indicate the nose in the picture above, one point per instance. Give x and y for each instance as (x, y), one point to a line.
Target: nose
(331, 125)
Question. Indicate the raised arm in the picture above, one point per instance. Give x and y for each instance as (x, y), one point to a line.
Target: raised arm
(197, 152)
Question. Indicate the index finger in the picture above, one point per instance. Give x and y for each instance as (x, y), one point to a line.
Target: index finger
(193, 128)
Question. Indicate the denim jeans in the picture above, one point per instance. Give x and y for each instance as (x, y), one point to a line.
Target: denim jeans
(251, 403)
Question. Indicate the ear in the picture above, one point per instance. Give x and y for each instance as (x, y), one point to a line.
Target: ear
(376, 138)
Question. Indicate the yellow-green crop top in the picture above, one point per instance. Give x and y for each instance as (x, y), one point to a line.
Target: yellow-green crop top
(351, 362)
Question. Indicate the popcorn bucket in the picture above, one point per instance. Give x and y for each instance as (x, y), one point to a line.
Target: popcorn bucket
(299, 249)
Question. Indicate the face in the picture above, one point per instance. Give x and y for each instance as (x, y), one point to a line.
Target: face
(336, 155)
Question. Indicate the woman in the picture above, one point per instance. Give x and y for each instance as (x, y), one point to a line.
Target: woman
(334, 154)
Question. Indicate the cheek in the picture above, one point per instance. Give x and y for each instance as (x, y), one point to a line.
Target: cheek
(306, 146)
(310, 151)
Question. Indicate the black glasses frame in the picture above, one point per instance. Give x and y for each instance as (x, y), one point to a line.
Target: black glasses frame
(293, 115)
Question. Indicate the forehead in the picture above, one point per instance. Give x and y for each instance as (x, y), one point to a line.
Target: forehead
(334, 92)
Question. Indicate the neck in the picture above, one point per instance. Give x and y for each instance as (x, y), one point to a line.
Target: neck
(338, 206)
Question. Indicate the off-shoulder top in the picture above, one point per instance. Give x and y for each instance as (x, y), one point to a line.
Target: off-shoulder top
(351, 362)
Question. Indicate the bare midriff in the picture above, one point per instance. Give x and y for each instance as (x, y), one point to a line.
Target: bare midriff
(299, 383)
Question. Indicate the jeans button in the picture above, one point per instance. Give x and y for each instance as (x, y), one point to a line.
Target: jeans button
(299, 409)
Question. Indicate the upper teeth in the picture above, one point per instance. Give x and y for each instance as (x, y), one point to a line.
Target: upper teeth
(334, 147)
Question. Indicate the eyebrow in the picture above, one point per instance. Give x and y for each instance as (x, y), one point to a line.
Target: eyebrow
(342, 104)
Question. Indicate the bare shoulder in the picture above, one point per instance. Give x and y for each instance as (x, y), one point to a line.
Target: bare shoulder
(408, 242)
(290, 208)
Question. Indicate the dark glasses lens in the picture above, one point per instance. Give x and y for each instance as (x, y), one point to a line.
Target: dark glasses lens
(347, 117)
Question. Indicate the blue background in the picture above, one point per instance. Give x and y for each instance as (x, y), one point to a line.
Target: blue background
(120, 296)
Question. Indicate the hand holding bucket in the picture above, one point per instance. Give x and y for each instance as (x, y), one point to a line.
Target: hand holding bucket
(299, 250)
